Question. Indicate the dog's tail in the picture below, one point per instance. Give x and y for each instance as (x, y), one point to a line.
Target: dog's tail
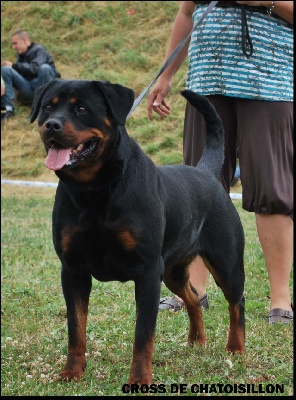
(213, 154)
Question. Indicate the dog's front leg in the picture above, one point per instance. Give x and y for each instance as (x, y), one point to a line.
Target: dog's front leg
(147, 293)
(76, 289)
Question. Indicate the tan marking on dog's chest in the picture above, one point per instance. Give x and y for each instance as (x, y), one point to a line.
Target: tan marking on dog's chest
(107, 122)
(127, 240)
(84, 174)
(67, 235)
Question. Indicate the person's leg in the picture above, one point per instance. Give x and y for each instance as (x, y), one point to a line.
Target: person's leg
(276, 237)
(266, 161)
(45, 75)
(198, 275)
(13, 81)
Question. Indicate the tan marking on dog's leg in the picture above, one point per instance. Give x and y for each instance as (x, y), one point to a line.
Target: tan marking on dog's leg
(236, 337)
(76, 360)
(196, 330)
(141, 368)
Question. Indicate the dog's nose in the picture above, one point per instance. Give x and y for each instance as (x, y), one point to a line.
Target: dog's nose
(53, 125)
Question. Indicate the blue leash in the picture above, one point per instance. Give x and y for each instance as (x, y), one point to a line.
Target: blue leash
(172, 56)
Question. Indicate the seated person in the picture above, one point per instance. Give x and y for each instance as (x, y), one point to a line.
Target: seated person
(34, 67)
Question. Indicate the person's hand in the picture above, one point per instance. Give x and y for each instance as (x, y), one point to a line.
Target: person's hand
(7, 63)
(157, 102)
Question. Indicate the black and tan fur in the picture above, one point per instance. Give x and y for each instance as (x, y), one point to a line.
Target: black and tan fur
(117, 216)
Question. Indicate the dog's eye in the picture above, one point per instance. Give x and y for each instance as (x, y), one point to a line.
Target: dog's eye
(81, 110)
(48, 109)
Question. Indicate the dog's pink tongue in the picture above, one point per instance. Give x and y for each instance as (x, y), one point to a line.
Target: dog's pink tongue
(57, 157)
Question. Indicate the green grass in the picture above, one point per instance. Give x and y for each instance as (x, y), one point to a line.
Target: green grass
(34, 334)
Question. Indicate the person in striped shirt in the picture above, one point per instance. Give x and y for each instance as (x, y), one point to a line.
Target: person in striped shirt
(241, 58)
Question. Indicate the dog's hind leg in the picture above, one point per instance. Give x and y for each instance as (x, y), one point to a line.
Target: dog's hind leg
(236, 337)
(176, 279)
(231, 281)
(196, 330)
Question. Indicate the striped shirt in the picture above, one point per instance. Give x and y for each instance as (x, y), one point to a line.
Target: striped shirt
(217, 64)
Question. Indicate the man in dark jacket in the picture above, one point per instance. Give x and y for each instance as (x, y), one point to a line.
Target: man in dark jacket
(34, 67)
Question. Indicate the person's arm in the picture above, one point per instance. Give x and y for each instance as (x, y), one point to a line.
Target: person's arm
(283, 9)
(7, 63)
(181, 28)
(2, 87)
(36, 57)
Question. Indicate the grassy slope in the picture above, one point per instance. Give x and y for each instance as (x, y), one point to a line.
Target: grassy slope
(95, 40)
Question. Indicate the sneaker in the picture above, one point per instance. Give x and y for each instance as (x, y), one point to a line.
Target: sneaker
(175, 304)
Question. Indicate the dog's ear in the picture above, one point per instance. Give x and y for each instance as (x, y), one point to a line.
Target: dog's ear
(38, 96)
(119, 98)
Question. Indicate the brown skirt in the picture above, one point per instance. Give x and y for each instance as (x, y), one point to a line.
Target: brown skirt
(263, 132)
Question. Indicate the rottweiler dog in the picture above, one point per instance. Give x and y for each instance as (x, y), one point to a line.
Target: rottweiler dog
(117, 216)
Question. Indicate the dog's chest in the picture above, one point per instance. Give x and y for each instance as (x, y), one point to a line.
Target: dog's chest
(107, 251)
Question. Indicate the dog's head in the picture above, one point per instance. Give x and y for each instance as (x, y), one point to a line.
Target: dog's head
(77, 120)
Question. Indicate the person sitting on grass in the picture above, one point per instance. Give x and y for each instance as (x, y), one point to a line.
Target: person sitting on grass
(34, 67)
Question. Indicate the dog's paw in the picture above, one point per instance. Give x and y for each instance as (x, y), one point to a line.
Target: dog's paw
(236, 343)
(140, 380)
(67, 376)
(74, 372)
(236, 349)
(197, 341)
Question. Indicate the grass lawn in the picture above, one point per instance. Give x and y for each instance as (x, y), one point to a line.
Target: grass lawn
(34, 334)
